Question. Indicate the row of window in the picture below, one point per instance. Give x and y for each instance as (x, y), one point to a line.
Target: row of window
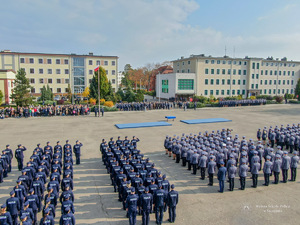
(66, 61)
(242, 92)
(234, 62)
(49, 71)
(206, 81)
(226, 62)
(58, 81)
(223, 71)
(58, 90)
(113, 72)
(50, 81)
(256, 65)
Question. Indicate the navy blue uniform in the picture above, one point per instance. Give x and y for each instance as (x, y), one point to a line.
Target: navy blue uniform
(20, 156)
(131, 205)
(159, 204)
(172, 201)
(76, 150)
(146, 201)
(13, 206)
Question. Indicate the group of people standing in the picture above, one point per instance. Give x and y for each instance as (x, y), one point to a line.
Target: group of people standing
(242, 102)
(29, 196)
(141, 187)
(44, 111)
(232, 155)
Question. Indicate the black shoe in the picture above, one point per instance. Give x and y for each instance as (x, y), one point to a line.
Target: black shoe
(220, 191)
(229, 189)
(240, 188)
(209, 184)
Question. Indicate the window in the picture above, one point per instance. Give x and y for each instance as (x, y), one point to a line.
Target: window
(66, 61)
(279, 73)
(217, 81)
(283, 82)
(49, 71)
(90, 72)
(32, 81)
(41, 80)
(211, 92)
(284, 73)
(257, 76)
(245, 63)
(274, 82)
(58, 81)
(243, 92)
(271, 72)
(261, 82)
(211, 81)
(275, 72)
(113, 72)
(261, 72)
(234, 62)
(274, 91)
(279, 82)
(253, 76)
(293, 73)
(222, 92)
(270, 91)
(218, 71)
(233, 82)
(252, 86)
(57, 71)
(217, 92)
(270, 82)
(98, 62)
(41, 71)
(240, 72)
(113, 81)
(218, 61)
(234, 71)
(182, 71)
(189, 62)
(185, 84)
(105, 63)
(289, 73)
(233, 92)
(49, 61)
(239, 82)
(206, 61)
(66, 90)
(244, 82)
(206, 71)
(106, 71)
(238, 92)
(58, 90)
(256, 86)
(183, 63)
(292, 82)
(31, 70)
(40, 61)
(49, 81)
(188, 70)
(90, 62)
(90, 81)
(66, 71)
(212, 71)
(212, 61)
(22, 60)
(228, 92)
(253, 65)
(67, 81)
(287, 91)
(165, 86)
(32, 90)
(228, 81)
(229, 71)
(223, 81)
(206, 81)
(31, 60)
(245, 71)
(266, 82)
(257, 66)
(205, 92)
(240, 62)
(224, 62)
(292, 91)
(223, 71)
(57, 61)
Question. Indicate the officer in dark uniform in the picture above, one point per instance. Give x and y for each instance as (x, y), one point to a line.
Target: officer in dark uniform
(33, 201)
(8, 152)
(285, 166)
(13, 206)
(294, 165)
(131, 206)
(243, 169)
(5, 217)
(172, 201)
(159, 200)
(67, 218)
(222, 176)
(20, 156)
(76, 150)
(27, 213)
(146, 201)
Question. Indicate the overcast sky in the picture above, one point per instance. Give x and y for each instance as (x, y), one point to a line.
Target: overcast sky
(150, 31)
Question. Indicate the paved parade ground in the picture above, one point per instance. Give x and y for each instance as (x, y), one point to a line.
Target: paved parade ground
(95, 201)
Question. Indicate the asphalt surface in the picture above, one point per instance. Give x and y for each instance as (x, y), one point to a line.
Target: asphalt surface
(95, 201)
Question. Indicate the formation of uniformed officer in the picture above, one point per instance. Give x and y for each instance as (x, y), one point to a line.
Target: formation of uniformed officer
(243, 102)
(28, 197)
(206, 151)
(142, 188)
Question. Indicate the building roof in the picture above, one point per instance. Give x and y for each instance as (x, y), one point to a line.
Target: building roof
(8, 52)
(9, 70)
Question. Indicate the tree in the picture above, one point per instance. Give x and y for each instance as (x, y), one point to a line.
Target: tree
(139, 97)
(297, 90)
(110, 94)
(86, 92)
(69, 93)
(21, 92)
(46, 94)
(49, 93)
(1, 97)
(104, 86)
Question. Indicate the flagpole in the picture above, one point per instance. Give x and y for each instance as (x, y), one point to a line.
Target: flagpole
(99, 91)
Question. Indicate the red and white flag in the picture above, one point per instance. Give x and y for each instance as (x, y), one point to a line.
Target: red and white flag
(96, 69)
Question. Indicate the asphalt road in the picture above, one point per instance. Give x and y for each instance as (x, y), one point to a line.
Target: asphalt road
(96, 203)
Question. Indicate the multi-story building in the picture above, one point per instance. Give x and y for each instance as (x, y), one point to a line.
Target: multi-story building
(120, 76)
(225, 76)
(7, 78)
(59, 70)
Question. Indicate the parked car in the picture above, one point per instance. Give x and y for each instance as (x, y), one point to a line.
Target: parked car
(56, 97)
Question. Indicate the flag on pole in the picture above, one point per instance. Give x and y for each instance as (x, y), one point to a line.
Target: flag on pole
(96, 69)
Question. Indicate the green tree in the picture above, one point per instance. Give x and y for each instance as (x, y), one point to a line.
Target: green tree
(297, 90)
(21, 92)
(44, 94)
(129, 95)
(110, 94)
(69, 93)
(139, 97)
(49, 94)
(104, 86)
(1, 97)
